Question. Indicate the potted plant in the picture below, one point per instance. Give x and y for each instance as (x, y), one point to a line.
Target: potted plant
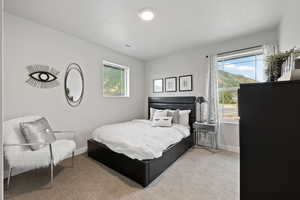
(274, 64)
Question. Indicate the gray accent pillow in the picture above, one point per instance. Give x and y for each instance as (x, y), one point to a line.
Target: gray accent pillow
(175, 115)
(162, 121)
(38, 131)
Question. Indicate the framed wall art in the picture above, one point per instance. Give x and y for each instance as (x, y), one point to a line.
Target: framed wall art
(158, 85)
(42, 76)
(171, 84)
(186, 83)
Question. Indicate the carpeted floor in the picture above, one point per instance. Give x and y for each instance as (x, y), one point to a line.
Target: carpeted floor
(197, 175)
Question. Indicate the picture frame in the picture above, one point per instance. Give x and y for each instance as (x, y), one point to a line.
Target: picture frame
(171, 84)
(186, 83)
(158, 85)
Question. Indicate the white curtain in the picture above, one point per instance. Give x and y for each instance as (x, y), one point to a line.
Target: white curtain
(212, 90)
(268, 50)
(212, 94)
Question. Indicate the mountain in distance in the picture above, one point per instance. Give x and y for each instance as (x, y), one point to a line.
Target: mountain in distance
(229, 80)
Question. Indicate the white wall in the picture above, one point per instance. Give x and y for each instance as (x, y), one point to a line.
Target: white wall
(193, 61)
(289, 29)
(1, 147)
(27, 43)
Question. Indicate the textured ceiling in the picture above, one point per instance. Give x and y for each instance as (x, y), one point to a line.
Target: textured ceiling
(178, 24)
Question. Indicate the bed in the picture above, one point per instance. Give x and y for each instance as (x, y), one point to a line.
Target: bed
(145, 171)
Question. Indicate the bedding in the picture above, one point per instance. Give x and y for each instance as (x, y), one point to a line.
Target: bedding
(137, 139)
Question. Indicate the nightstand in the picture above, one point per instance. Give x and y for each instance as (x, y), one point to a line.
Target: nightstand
(204, 132)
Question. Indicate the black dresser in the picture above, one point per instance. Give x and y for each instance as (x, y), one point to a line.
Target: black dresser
(270, 140)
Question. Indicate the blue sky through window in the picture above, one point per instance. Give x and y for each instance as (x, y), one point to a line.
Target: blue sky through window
(250, 67)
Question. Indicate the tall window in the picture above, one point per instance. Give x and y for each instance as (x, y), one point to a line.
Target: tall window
(115, 80)
(244, 66)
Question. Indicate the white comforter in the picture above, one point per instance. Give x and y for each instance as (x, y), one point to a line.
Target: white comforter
(137, 139)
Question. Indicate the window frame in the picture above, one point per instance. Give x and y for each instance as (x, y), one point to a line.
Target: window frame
(126, 78)
(256, 51)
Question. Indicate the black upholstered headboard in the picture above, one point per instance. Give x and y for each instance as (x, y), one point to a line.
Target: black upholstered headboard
(173, 103)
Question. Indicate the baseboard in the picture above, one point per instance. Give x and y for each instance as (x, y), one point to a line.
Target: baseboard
(79, 151)
(235, 149)
(20, 171)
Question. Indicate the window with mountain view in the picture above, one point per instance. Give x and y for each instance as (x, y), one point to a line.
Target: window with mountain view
(115, 80)
(246, 67)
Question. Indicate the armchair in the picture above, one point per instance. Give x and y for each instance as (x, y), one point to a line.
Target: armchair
(19, 155)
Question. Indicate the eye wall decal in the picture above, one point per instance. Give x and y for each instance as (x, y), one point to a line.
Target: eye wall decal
(42, 76)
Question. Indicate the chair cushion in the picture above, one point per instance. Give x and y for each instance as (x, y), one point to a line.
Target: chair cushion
(38, 131)
(41, 158)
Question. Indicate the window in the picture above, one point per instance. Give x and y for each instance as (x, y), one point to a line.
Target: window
(245, 66)
(115, 80)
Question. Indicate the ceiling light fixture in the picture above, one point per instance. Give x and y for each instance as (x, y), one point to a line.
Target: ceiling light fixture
(146, 14)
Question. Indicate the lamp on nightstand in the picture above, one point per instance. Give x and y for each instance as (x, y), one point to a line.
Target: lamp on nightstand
(200, 100)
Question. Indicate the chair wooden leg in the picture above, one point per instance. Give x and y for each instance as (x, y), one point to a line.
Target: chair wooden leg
(51, 173)
(73, 158)
(9, 177)
(51, 163)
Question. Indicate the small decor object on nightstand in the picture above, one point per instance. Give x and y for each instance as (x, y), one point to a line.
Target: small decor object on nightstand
(200, 100)
(158, 85)
(205, 134)
(186, 83)
(171, 84)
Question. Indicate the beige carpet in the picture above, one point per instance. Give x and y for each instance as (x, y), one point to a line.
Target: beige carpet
(197, 175)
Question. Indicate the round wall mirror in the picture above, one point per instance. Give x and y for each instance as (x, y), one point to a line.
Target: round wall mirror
(74, 84)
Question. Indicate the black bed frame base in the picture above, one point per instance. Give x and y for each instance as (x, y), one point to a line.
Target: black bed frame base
(145, 171)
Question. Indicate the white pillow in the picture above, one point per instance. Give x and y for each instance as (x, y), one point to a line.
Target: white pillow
(152, 111)
(184, 117)
(162, 121)
(160, 113)
(175, 115)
